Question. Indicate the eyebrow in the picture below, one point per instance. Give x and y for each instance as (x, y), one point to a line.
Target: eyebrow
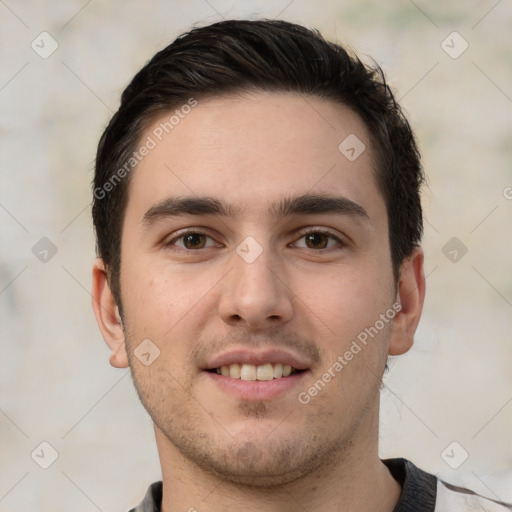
(312, 204)
(307, 204)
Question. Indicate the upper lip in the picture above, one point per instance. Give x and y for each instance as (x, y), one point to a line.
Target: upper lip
(257, 358)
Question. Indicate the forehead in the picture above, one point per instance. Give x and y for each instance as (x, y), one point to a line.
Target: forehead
(252, 149)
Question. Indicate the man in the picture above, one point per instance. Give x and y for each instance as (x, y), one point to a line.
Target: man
(258, 219)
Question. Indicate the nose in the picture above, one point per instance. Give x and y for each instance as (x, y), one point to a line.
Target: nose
(255, 293)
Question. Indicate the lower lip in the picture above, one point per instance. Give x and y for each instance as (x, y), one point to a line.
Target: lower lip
(257, 389)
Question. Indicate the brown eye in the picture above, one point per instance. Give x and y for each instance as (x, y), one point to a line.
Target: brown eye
(194, 241)
(316, 240)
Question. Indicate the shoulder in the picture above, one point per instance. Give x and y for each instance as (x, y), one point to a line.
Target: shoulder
(451, 498)
(152, 501)
(424, 492)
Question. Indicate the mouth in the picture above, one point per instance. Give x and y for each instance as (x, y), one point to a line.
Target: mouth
(252, 372)
(257, 374)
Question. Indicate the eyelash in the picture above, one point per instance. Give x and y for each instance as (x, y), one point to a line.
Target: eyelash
(181, 235)
(320, 231)
(339, 242)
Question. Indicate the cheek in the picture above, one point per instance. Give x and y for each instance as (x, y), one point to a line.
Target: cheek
(346, 318)
(342, 304)
(158, 299)
(344, 293)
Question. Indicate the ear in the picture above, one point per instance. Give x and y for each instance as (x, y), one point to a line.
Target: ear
(410, 294)
(107, 315)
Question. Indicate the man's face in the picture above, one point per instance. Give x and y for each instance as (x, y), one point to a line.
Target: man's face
(230, 259)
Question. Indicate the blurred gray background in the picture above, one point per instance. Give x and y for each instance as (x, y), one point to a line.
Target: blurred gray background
(447, 404)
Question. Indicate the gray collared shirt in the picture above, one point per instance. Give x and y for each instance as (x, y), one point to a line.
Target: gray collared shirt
(421, 492)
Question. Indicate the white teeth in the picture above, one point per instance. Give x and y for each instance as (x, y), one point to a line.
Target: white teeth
(266, 371)
(248, 372)
(235, 371)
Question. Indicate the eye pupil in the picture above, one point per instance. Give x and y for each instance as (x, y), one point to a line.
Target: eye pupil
(194, 241)
(316, 240)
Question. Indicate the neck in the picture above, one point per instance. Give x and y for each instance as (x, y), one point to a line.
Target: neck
(354, 480)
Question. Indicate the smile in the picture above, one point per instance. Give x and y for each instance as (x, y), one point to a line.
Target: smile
(267, 371)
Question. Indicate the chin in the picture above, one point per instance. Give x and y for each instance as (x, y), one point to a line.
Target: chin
(255, 466)
(260, 463)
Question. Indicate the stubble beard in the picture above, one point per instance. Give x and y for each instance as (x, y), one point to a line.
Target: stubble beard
(259, 460)
(247, 459)
(252, 461)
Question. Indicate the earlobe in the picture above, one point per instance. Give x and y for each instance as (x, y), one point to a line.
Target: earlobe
(410, 295)
(107, 315)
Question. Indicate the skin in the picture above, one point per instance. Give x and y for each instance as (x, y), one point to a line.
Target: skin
(217, 450)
